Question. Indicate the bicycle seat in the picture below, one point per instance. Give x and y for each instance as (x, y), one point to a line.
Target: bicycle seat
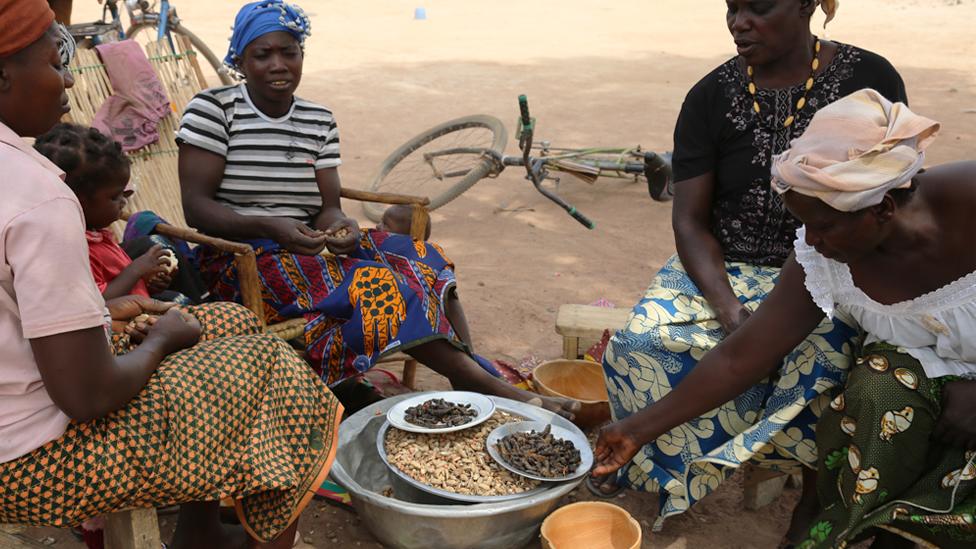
(657, 169)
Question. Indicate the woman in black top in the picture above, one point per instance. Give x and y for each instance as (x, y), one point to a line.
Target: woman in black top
(732, 237)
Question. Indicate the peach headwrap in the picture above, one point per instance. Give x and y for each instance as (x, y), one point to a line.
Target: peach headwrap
(21, 23)
(854, 151)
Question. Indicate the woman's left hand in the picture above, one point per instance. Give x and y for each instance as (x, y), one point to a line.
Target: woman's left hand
(615, 447)
(957, 424)
(342, 237)
(128, 307)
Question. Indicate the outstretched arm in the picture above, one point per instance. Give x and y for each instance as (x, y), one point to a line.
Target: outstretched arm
(740, 361)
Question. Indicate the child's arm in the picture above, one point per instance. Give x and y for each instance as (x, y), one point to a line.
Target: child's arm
(143, 267)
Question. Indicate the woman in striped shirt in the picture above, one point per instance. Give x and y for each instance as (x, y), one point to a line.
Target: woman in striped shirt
(259, 164)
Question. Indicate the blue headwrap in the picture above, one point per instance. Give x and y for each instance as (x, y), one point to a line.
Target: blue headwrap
(259, 18)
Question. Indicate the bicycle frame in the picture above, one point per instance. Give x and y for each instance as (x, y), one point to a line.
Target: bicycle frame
(561, 162)
(140, 14)
(447, 159)
(577, 162)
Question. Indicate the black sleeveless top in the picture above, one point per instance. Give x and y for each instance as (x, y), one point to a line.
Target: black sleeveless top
(718, 131)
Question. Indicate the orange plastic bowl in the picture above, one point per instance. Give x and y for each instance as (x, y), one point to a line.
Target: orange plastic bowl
(590, 525)
(579, 380)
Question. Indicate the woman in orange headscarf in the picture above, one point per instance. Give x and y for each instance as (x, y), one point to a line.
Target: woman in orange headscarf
(199, 411)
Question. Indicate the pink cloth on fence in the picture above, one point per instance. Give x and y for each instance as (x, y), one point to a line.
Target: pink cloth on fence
(132, 114)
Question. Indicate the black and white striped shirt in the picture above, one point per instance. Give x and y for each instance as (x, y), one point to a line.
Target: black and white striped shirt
(270, 162)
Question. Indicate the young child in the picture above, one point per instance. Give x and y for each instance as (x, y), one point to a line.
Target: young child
(397, 219)
(98, 173)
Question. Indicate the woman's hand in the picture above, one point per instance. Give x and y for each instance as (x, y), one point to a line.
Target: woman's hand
(342, 237)
(296, 236)
(733, 317)
(957, 424)
(615, 447)
(175, 331)
(150, 263)
(127, 307)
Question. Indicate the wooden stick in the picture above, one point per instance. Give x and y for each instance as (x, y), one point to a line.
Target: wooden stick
(419, 221)
(191, 235)
(247, 277)
(383, 198)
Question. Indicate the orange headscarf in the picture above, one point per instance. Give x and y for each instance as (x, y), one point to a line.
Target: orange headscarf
(21, 23)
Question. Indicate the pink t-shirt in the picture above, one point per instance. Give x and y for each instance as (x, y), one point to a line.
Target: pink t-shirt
(45, 289)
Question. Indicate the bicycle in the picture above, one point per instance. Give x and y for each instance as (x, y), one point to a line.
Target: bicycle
(142, 18)
(449, 158)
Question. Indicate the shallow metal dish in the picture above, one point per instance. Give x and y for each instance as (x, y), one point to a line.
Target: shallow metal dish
(481, 404)
(577, 438)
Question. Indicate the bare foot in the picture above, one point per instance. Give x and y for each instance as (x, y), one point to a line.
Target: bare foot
(561, 406)
(603, 486)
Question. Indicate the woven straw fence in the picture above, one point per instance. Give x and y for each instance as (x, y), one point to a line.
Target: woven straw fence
(154, 168)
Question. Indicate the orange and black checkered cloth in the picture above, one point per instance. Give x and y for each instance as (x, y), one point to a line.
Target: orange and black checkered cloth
(238, 416)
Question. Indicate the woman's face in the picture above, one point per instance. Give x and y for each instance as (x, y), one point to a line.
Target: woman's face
(766, 30)
(841, 236)
(104, 205)
(32, 88)
(272, 64)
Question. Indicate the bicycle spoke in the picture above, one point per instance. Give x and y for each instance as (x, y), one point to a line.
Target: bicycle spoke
(437, 165)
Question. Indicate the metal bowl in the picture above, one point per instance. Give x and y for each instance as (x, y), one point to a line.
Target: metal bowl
(419, 520)
(574, 436)
(381, 450)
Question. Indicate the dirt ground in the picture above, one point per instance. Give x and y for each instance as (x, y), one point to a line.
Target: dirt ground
(597, 74)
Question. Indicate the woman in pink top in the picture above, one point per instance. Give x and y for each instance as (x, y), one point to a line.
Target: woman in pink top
(187, 417)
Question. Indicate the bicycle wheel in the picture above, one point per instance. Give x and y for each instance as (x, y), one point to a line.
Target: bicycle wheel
(440, 163)
(219, 70)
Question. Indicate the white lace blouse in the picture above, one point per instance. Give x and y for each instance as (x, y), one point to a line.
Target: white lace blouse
(937, 328)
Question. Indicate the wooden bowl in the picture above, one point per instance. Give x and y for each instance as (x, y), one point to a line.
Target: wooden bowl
(579, 380)
(590, 525)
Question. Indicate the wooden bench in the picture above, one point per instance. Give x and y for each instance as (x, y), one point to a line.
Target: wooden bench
(582, 326)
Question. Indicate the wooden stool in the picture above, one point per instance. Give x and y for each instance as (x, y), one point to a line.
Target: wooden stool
(760, 487)
(129, 529)
(132, 529)
(582, 326)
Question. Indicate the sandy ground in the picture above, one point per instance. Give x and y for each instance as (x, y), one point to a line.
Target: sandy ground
(608, 74)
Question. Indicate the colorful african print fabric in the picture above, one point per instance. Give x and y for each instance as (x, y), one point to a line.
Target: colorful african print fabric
(236, 416)
(771, 424)
(388, 296)
(879, 466)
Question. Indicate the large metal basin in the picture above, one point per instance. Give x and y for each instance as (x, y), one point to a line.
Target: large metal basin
(417, 520)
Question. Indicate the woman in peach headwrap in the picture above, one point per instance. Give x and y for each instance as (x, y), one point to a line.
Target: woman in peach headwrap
(888, 246)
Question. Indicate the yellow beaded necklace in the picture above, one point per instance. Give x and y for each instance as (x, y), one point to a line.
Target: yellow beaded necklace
(809, 84)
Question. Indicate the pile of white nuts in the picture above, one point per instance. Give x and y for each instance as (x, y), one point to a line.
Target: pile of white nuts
(455, 462)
